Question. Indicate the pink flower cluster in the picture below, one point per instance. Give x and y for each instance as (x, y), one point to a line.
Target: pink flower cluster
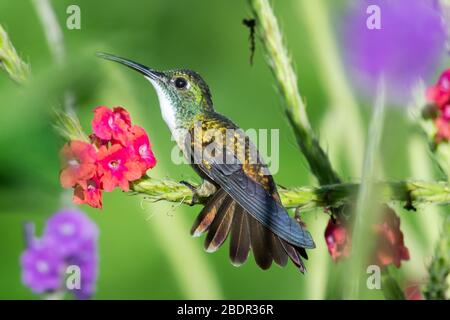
(439, 97)
(390, 248)
(119, 152)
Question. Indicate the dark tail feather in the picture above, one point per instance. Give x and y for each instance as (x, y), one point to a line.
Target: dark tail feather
(260, 239)
(239, 238)
(222, 215)
(279, 254)
(208, 213)
(221, 225)
(294, 255)
(303, 253)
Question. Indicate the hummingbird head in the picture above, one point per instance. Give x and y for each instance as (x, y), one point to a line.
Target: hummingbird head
(182, 93)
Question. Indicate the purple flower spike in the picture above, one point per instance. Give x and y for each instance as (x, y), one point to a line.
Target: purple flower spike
(42, 267)
(69, 239)
(406, 47)
(88, 280)
(70, 229)
(86, 260)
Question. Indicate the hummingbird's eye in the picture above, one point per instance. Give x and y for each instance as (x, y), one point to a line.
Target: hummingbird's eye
(180, 83)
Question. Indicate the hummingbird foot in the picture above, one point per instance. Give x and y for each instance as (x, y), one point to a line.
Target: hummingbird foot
(298, 217)
(203, 191)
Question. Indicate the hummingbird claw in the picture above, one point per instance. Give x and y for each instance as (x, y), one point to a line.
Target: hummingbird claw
(195, 197)
(298, 217)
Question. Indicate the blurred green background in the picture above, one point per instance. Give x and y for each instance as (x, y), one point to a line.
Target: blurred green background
(146, 251)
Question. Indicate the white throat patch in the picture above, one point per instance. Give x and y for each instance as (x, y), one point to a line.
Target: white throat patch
(167, 109)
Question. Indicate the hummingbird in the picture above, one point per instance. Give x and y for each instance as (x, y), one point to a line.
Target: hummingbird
(243, 202)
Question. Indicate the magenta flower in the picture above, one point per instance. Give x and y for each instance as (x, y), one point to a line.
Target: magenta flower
(338, 239)
(438, 96)
(390, 248)
(111, 124)
(90, 193)
(116, 167)
(117, 154)
(140, 144)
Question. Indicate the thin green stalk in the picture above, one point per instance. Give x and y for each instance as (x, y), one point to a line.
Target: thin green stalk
(10, 61)
(438, 285)
(421, 168)
(390, 286)
(365, 211)
(278, 59)
(415, 193)
(342, 102)
(55, 41)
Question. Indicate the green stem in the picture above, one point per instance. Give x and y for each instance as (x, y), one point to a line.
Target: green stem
(277, 57)
(439, 270)
(390, 286)
(408, 192)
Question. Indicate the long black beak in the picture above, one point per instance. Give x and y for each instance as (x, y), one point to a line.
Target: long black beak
(152, 74)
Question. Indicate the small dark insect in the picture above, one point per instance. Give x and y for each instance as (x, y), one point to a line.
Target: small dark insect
(251, 24)
(409, 203)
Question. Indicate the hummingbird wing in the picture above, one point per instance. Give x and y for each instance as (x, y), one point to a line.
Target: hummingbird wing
(246, 206)
(237, 168)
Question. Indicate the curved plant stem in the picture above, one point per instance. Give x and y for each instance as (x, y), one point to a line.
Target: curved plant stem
(278, 60)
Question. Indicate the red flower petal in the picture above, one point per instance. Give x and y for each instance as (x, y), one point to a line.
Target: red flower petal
(338, 240)
(142, 148)
(90, 193)
(117, 166)
(78, 163)
(111, 124)
(390, 246)
(413, 292)
(442, 129)
(445, 113)
(439, 94)
(97, 142)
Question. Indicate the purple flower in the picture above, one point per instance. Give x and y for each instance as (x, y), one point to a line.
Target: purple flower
(69, 239)
(406, 47)
(41, 267)
(70, 229)
(88, 279)
(86, 259)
